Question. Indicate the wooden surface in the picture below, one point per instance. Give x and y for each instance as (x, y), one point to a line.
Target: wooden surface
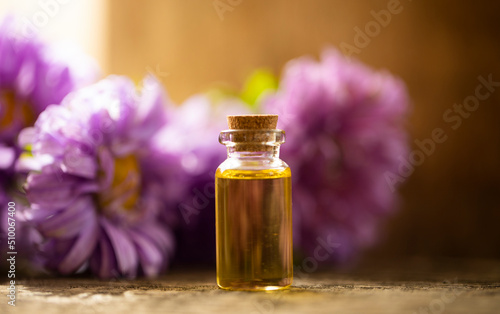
(410, 287)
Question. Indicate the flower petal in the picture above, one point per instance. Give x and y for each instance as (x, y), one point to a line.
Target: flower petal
(7, 157)
(103, 262)
(69, 221)
(53, 189)
(149, 254)
(82, 249)
(125, 252)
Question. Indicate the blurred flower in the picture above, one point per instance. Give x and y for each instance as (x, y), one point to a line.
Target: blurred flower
(33, 75)
(344, 131)
(94, 190)
(193, 134)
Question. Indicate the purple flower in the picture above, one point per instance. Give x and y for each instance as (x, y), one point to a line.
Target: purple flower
(344, 126)
(193, 134)
(94, 189)
(33, 75)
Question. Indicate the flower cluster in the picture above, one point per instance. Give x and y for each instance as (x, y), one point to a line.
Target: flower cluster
(33, 75)
(94, 192)
(344, 124)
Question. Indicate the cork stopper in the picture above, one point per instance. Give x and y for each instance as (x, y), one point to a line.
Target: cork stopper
(252, 122)
(253, 131)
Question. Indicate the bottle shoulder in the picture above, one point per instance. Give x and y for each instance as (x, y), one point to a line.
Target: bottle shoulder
(253, 168)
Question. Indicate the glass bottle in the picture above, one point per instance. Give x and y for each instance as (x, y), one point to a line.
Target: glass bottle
(253, 207)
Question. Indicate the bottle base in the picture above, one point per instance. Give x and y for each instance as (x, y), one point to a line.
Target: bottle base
(253, 286)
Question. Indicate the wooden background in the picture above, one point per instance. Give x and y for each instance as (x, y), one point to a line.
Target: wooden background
(451, 203)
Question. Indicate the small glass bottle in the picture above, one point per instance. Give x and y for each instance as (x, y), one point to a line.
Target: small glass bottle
(253, 207)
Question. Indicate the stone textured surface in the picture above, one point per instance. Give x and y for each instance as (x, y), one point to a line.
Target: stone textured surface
(410, 287)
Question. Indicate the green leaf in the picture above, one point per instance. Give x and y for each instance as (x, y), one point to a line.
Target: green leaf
(260, 82)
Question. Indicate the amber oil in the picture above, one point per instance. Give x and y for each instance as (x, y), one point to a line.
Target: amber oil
(254, 234)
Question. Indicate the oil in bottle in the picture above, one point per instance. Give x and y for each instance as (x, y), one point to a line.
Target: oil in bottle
(253, 208)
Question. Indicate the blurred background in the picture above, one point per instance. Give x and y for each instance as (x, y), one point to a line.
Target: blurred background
(450, 204)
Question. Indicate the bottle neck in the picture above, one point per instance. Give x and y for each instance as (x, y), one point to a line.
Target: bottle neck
(252, 144)
(270, 152)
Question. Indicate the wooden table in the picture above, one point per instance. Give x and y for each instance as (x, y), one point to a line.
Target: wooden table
(413, 286)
